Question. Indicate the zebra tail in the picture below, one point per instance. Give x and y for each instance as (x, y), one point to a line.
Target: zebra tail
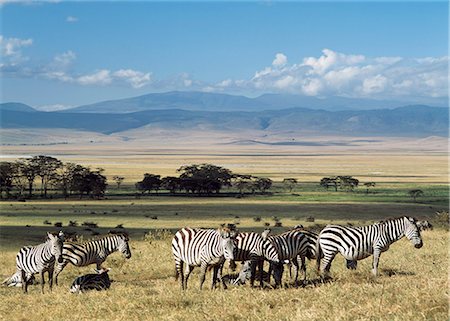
(319, 254)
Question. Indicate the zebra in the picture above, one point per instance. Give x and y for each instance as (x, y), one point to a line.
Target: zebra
(245, 274)
(40, 259)
(310, 254)
(93, 252)
(256, 248)
(98, 281)
(357, 243)
(293, 245)
(16, 279)
(202, 247)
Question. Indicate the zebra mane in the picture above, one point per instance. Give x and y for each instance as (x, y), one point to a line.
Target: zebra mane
(396, 219)
(102, 237)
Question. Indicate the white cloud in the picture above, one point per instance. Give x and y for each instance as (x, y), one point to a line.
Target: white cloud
(11, 47)
(100, 77)
(54, 107)
(350, 75)
(71, 19)
(137, 79)
(280, 60)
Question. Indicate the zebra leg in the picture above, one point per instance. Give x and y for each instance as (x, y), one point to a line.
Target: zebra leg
(24, 281)
(43, 281)
(260, 264)
(295, 263)
(50, 278)
(59, 268)
(214, 272)
(203, 268)
(253, 265)
(376, 258)
(187, 271)
(303, 267)
(328, 257)
(179, 273)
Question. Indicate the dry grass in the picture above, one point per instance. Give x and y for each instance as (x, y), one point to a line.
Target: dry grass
(412, 286)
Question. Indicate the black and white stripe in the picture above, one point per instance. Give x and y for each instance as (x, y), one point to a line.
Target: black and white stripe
(291, 246)
(40, 259)
(93, 252)
(16, 279)
(98, 281)
(202, 247)
(357, 243)
(256, 248)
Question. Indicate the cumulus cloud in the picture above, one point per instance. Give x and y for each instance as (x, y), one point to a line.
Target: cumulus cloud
(137, 79)
(280, 60)
(350, 75)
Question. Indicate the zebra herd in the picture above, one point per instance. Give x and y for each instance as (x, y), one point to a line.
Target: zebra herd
(43, 258)
(210, 248)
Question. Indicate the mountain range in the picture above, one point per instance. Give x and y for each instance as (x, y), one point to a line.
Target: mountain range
(206, 111)
(202, 101)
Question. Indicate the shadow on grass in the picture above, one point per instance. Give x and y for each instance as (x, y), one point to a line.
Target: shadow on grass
(393, 272)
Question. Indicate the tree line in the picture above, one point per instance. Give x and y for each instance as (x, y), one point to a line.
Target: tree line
(18, 178)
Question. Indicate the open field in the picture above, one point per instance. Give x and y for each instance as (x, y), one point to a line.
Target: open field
(412, 285)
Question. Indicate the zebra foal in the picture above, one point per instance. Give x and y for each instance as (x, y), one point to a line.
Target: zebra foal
(93, 252)
(202, 247)
(40, 259)
(357, 243)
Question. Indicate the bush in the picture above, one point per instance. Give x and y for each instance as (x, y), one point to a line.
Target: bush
(278, 224)
(257, 219)
(310, 219)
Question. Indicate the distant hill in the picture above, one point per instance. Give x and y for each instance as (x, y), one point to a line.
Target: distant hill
(201, 101)
(16, 107)
(419, 121)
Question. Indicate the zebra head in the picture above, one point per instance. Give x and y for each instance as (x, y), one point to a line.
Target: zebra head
(227, 237)
(123, 245)
(56, 245)
(412, 232)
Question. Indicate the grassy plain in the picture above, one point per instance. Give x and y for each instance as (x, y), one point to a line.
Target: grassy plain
(413, 284)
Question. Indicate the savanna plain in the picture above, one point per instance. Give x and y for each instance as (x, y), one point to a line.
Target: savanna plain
(412, 285)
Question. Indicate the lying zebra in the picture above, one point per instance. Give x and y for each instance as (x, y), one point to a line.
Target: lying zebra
(357, 243)
(16, 280)
(98, 281)
(93, 252)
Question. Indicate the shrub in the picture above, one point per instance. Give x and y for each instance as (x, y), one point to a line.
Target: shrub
(257, 219)
(310, 219)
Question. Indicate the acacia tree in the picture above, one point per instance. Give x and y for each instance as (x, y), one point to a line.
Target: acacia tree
(171, 183)
(290, 183)
(263, 184)
(329, 181)
(118, 180)
(415, 193)
(204, 178)
(7, 173)
(149, 183)
(244, 182)
(368, 185)
(29, 169)
(47, 167)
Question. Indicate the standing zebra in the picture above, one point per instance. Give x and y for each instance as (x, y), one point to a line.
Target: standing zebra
(292, 246)
(256, 248)
(202, 247)
(357, 243)
(93, 252)
(98, 281)
(310, 254)
(40, 259)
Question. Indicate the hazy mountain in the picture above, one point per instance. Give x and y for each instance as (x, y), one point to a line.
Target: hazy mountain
(16, 107)
(174, 100)
(200, 101)
(419, 121)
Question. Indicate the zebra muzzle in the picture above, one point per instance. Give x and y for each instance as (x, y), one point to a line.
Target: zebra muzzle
(60, 259)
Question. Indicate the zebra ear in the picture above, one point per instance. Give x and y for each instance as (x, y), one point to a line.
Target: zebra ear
(266, 233)
(50, 236)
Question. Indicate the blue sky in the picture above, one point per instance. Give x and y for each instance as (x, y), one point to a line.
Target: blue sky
(63, 54)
